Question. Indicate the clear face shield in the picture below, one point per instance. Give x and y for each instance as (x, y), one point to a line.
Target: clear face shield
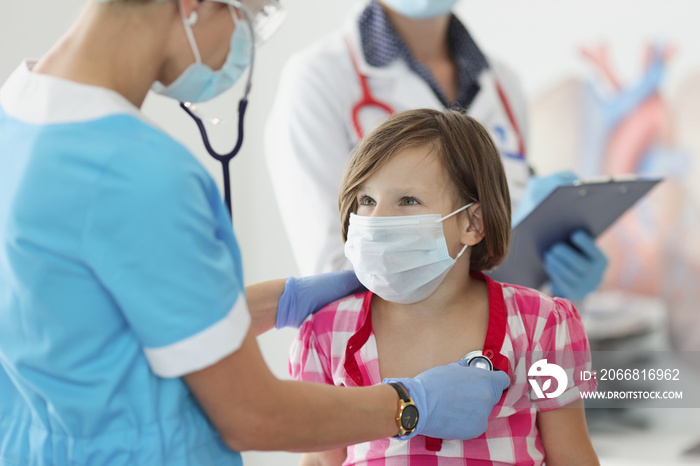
(262, 18)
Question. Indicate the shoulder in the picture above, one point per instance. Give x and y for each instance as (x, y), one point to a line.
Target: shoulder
(512, 86)
(502, 69)
(510, 81)
(146, 142)
(343, 315)
(148, 185)
(326, 60)
(146, 160)
(327, 332)
(129, 138)
(538, 311)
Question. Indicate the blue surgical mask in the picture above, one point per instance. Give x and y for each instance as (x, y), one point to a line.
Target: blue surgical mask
(199, 83)
(421, 9)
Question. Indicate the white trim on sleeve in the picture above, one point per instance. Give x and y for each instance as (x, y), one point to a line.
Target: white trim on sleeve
(204, 348)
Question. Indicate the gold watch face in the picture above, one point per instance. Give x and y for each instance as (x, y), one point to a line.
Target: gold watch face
(409, 418)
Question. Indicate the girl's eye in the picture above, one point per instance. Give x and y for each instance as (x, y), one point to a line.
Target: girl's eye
(366, 200)
(409, 201)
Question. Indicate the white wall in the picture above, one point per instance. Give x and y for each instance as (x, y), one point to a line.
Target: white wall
(539, 38)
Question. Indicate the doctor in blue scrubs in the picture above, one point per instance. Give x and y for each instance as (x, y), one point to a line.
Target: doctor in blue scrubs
(126, 334)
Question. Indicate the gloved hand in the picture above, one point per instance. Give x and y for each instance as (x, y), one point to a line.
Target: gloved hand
(575, 273)
(537, 190)
(454, 401)
(306, 295)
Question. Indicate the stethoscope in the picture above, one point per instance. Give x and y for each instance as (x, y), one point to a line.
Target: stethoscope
(477, 359)
(190, 108)
(368, 100)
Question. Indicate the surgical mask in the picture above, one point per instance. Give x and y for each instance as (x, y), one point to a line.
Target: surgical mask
(401, 259)
(199, 83)
(421, 9)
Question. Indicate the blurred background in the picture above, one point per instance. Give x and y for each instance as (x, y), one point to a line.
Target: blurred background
(583, 66)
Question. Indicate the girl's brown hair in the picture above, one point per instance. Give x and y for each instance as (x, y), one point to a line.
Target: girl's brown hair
(469, 157)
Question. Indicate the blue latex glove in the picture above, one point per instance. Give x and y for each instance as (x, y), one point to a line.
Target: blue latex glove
(537, 190)
(304, 296)
(575, 273)
(454, 401)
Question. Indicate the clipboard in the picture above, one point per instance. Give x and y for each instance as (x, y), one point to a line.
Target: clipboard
(591, 206)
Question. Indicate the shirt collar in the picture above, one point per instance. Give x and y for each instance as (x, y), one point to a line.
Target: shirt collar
(381, 45)
(44, 99)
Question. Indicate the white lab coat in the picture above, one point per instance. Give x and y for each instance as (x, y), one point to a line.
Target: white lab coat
(310, 134)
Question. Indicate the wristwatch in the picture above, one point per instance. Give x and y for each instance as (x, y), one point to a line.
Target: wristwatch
(407, 417)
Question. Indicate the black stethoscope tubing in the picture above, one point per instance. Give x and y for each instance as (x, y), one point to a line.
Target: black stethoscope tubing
(226, 158)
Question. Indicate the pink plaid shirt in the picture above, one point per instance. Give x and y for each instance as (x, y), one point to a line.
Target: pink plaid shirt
(336, 346)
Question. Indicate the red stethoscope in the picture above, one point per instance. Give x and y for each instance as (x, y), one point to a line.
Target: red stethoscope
(367, 100)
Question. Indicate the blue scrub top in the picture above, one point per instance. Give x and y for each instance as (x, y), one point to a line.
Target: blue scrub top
(119, 273)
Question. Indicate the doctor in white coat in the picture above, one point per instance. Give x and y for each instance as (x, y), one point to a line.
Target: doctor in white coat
(391, 56)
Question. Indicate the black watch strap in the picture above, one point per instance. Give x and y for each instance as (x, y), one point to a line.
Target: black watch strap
(401, 390)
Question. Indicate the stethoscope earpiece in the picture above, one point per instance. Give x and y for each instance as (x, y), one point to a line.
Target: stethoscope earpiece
(193, 18)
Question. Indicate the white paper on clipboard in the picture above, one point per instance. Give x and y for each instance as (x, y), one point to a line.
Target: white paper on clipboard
(590, 206)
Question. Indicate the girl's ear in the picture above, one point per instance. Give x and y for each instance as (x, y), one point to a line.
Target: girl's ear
(474, 232)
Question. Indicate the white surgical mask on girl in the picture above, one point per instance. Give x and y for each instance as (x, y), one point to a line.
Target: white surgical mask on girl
(401, 259)
(199, 83)
(421, 9)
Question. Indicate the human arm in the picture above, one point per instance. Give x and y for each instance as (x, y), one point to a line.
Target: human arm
(263, 299)
(286, 303)
(563, 354)
(565, 436)
(306, 149)
(574, 271)
(575, 267)
(252, 409)
(324, 458)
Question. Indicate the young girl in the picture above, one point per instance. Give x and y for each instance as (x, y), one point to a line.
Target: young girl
(425, 208)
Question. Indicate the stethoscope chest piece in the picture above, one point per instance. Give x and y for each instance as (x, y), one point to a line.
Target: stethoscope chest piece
(477, 359)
